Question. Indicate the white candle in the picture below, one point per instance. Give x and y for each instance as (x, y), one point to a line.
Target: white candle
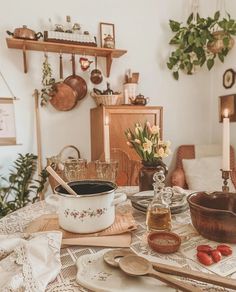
(107, 139)
(226, 142)
(126, 96)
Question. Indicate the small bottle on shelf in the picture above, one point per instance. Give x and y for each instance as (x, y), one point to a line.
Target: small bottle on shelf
(68, 27)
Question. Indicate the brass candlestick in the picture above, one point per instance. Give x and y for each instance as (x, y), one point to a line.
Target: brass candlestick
(225, 176)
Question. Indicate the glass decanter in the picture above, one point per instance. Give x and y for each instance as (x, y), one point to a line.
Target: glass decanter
(158, 211)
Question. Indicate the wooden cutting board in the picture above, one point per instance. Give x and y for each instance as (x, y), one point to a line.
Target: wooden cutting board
(117, 235)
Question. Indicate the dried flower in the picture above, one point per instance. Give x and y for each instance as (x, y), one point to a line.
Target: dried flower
(145, 139)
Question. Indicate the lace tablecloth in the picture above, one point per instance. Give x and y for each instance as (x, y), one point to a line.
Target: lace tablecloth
(65, 282)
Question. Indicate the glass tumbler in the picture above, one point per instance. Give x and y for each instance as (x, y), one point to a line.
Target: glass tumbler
(106, 170)
(75, 169)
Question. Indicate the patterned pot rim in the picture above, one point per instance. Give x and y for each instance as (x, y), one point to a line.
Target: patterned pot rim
(84, 182)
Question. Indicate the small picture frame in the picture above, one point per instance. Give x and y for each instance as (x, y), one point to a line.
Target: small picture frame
(106, 29)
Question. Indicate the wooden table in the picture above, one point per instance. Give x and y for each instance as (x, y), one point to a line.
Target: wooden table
(65, 282)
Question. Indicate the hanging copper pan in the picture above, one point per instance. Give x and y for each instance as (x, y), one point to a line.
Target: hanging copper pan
(64, 98)
(76, 82)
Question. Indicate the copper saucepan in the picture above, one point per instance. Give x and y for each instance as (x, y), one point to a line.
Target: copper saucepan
(76, 82)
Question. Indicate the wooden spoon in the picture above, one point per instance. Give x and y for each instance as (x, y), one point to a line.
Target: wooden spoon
(111, 257)
(61, 181)
(137, 266)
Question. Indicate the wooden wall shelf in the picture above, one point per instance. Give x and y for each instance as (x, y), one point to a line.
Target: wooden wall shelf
(27, 45)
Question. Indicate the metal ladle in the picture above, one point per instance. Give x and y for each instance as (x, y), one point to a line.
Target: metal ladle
(96, 74)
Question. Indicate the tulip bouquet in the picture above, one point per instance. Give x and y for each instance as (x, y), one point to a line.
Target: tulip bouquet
(145, 139)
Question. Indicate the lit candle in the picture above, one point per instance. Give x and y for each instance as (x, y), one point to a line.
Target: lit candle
(226, 142)
(107, 139)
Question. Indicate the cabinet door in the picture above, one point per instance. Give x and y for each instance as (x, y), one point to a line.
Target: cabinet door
(122, 118)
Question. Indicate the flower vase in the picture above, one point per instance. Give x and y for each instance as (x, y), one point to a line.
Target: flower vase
(146, 173)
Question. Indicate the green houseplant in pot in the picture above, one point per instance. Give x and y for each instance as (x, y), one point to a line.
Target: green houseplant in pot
(20, 188)
(199, 42)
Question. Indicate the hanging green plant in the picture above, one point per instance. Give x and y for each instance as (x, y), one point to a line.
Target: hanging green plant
(47, 81)
(199, 42)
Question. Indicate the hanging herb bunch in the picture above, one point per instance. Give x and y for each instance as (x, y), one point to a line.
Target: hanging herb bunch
(200, 41)
(47, 81)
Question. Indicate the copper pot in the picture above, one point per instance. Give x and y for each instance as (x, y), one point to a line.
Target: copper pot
(25, 33)
(214, 215)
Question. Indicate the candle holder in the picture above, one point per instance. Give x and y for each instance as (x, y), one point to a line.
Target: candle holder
(225, 176)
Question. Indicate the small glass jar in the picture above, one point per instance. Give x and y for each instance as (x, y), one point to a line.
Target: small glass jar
(158, 212)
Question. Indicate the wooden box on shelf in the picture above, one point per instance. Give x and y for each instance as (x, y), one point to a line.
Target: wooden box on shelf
(120, 118)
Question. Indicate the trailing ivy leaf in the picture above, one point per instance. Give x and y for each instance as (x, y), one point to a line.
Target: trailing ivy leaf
(190, 18)
(210, 63)
(217, 15)
(169, 65)
(221, 57)
(176, 75)
(226, 41)
(174, 25)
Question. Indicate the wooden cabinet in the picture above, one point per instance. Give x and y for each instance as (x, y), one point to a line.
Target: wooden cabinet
(120, 118)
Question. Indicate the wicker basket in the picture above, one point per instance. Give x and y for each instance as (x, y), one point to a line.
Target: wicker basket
(114, 99)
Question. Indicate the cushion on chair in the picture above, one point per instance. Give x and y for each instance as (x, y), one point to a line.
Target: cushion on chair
(203, 174)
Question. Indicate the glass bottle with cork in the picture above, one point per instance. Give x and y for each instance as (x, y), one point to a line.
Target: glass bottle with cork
(158, 212)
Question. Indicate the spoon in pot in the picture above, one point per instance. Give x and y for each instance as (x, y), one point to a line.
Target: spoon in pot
(137, 266)
(61, 181)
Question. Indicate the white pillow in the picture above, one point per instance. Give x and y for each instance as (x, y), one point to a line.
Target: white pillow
(203, 174)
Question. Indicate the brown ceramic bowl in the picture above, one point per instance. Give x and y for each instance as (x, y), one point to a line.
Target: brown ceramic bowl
(164, 241)
(213, 215)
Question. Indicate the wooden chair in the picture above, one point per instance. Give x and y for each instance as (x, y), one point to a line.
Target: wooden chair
(127, 169)
(188, 152)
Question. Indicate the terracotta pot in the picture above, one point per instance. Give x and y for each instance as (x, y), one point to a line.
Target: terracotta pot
(214, 215)
(217, 45)
(93, 211)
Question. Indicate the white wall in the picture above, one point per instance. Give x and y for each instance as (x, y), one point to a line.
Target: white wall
(141, 28)
(218, 89)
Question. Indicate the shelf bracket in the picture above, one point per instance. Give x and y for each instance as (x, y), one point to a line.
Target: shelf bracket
(109, 62)
(24, 59)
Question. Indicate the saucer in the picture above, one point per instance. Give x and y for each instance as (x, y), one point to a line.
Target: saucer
(93, 273)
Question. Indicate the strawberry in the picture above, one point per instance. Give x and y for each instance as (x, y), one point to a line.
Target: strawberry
(204, 258)
(224, 249)
(204, 248)
(216, 255)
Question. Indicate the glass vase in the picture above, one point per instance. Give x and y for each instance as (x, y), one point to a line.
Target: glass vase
(146, 173)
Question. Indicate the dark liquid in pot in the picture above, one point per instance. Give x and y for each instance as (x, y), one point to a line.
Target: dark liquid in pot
(87, 188)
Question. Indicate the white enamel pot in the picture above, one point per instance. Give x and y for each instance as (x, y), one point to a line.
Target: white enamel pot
(92, 211)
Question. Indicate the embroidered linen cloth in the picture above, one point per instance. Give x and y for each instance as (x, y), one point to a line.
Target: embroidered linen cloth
(28, 262)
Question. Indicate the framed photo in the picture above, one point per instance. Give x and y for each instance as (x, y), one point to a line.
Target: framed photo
(227, 102)
(228, 78)
(7, 122)
(106, 29)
